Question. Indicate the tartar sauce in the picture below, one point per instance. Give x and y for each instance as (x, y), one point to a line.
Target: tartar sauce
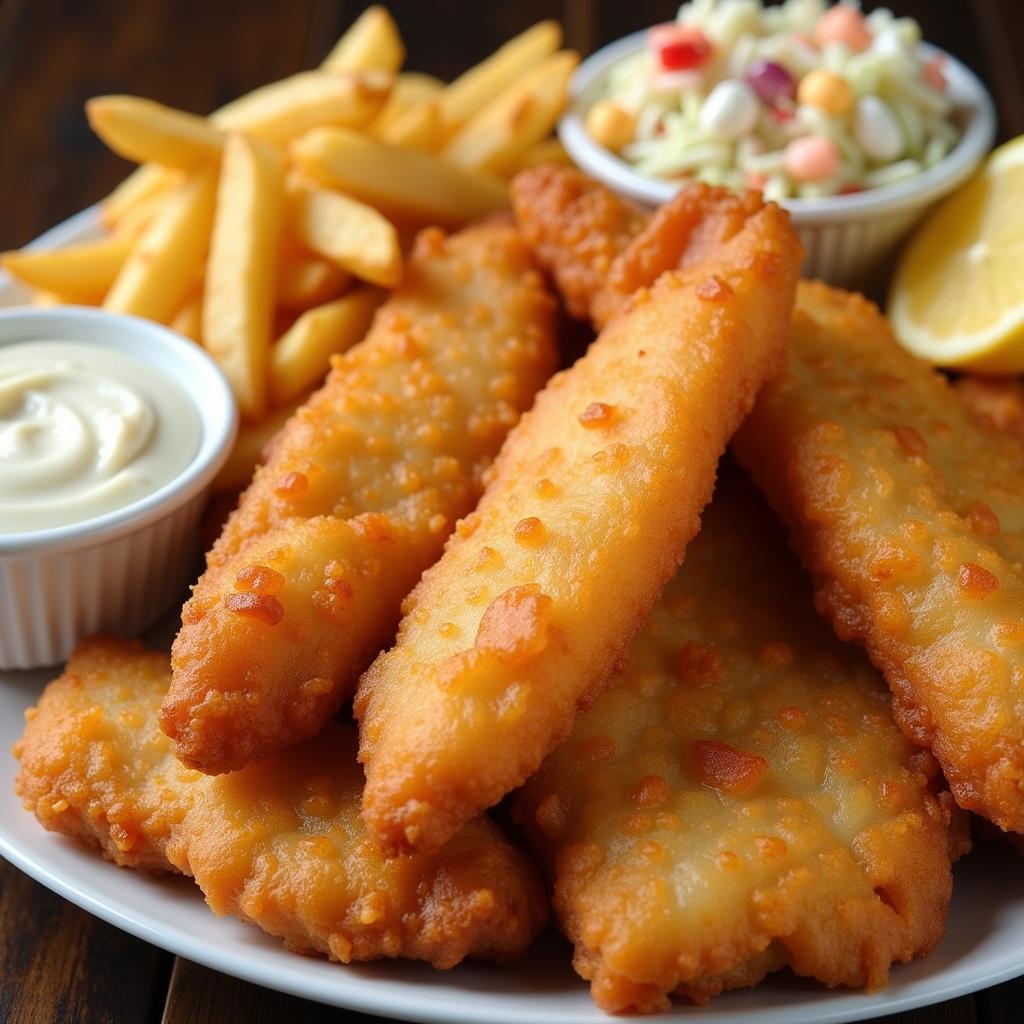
(85, 430)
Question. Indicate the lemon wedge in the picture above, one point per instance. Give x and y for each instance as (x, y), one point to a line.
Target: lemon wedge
(958, 295)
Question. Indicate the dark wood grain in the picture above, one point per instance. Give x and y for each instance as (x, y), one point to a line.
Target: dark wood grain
(60, 964)
(57, 963)
(55, 55)
(198, 995)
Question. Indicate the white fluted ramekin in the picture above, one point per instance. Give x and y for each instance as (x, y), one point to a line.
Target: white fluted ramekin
(847, 238)
(120, 571)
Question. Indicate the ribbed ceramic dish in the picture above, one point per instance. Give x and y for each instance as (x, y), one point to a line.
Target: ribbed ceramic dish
(120, 571)
(846, 238)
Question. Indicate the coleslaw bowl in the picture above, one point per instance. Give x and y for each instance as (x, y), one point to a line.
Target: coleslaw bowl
(846, 237)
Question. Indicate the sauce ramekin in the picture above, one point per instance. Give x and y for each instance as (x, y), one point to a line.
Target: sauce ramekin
(847, 238)
(120, 571)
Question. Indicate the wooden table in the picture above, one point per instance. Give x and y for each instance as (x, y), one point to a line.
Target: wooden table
(58, 964)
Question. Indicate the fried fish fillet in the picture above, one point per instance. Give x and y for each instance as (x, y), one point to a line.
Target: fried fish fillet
(279, 844)
(910, 516)
(741, 799)
(95, 766)
(997, 402)
(361, 489)
(587, 513)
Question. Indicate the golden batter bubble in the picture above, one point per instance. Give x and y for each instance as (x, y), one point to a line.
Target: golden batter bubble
(976, 582)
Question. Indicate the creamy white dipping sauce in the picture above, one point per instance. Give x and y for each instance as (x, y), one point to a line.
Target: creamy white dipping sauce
(85, 430)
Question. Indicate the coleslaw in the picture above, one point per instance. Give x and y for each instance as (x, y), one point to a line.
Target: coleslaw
(800, 100)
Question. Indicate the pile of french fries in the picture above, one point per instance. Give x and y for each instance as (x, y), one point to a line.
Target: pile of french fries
(270, 231)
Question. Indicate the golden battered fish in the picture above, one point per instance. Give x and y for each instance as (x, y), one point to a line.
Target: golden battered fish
(997, 402)
(741, 799)
(910, 516)
(95, 766)
(279, 844)
(587, 513)
(361, 488)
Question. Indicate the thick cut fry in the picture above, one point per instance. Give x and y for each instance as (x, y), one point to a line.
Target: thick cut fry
(910, 517)
(519, 118)
(141, 185)
(239, 294)
(79, 273)
(248, 453)
(279, 845)
(352, 234)
(358, 494)
(304, 281)
(371, 43)
(161, 268)
(95, 766)
(476, 88)
(411, 89)
(284, 110)
(136, 218)
(416, 128)
(147, 131)
(46, 300)
(188, 321)
(587, 514)
(741, 799)
(301, 357)
(407, 183)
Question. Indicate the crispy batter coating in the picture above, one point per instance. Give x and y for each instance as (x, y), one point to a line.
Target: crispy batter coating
(578, 228)
(741, 799)
(910, 516)
(588, 512)
(279, 844)
(360, 490)
(94, 765)
(600, 249)
(996, 402)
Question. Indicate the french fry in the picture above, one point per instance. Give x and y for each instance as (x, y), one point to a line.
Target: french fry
(352, 234)
(162, 265)
(416, 128)
(247, 454)
(142, 185)
(474, 89)
(188, 321)
(79, 273)
(547, 151)
(137, 218)
(305, 280)
(411, 89)
(403, 182)
(521, 116)
(372, 43)
(45, 300)
(146, 131)
(239, 291)
(302, 356)
(283, 110)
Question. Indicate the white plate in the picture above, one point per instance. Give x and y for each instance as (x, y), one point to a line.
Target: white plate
(984, 942)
